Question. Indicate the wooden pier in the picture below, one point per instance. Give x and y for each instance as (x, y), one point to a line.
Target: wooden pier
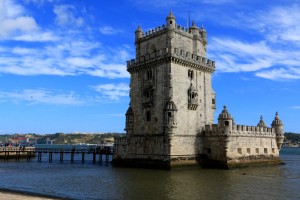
(31, 152)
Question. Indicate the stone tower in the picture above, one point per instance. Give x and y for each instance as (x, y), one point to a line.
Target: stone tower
(171, 97)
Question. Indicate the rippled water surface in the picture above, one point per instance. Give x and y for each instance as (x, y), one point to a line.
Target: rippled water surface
(102, 181)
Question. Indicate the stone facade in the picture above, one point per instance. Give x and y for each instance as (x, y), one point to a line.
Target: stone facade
(170, 118)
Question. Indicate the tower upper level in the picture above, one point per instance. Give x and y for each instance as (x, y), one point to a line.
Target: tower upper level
(172, 40)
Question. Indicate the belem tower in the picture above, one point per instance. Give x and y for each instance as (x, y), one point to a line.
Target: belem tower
(170, 119)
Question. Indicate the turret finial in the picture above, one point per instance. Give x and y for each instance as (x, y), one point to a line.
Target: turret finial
(276, 120)
(171, 14)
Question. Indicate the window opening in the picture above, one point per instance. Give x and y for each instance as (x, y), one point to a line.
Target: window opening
(148, 116)
(149, 74)
(239, 150)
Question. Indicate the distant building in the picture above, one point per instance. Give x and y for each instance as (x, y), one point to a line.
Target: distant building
(170, 119)
(49, 141)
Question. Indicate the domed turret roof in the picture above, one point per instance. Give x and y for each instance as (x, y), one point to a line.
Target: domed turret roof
(225, 114)
(170, 105)
(194, 25)
(261, 122)
(139, 29)
(276, 120)
(170, 15)
(202, 28)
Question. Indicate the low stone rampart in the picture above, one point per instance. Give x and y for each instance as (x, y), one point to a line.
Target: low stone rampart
(239, 130)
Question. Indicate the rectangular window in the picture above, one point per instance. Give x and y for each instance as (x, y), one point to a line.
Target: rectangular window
(190, 74)
(148, 116)
(273, 150)
(239, 150)
(257, 150)
(265, 150)
(213, 101)
(248, 150)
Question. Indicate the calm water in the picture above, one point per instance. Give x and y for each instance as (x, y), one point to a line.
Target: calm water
(102, 181)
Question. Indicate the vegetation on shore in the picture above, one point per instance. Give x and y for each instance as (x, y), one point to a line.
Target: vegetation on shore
(292, 138)
(59, 138)
(88, 138)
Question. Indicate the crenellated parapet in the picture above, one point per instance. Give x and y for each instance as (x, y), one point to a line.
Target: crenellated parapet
(175, 55)
(187, 32)
(240, 130)
(154, 32)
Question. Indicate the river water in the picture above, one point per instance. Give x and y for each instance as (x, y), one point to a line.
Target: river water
(86, 180)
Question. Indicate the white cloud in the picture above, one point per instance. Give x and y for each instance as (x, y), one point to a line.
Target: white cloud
(68, 58)
(14, 20)
(112, 91)
(275, 57)
(37, 37)
(280, 74)
(39, 2)
(65, 16)
(108, 30)
(236, 56)
(261, 58)
(59, 52)
(41, 96)
(295, 107)
(277, 24)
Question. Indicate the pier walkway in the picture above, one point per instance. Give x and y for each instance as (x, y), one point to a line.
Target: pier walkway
(31, 152)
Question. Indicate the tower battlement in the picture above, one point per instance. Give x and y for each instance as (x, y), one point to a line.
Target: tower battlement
(174, 53)
(179, 29)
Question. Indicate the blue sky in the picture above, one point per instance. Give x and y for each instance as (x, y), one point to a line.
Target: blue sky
(63, 62)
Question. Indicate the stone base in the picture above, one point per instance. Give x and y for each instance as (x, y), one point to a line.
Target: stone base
(157, 164)
(254, 162)
(196, 162)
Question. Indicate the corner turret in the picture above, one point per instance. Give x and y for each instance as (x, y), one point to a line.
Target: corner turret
(129, 120)
(170, 21)
(138, 33)
(203, 36)
(194, 29)
(279, 130)
(225, 121)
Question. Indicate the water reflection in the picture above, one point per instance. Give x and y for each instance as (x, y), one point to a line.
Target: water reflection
(102, 181)
(270, 182)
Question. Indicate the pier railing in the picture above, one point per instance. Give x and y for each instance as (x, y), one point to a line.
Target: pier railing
(30, 152)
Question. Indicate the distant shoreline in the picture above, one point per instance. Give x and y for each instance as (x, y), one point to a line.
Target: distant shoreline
(291, 145)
